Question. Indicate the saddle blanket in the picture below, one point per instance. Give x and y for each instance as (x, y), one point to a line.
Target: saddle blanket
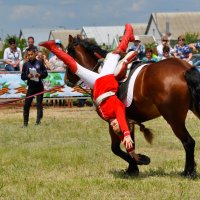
(129, 97)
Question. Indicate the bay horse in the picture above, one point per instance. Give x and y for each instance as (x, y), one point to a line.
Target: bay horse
(168, 88)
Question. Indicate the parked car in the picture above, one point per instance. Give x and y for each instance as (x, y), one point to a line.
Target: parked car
(196, 60)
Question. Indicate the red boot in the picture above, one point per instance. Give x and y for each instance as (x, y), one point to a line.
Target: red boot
(67, 59)
(127, 37)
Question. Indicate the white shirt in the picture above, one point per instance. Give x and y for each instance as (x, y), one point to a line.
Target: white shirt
(160, 50)
(56, 64)
(12, 56)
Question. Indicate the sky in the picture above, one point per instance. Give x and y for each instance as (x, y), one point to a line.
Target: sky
(74, 14)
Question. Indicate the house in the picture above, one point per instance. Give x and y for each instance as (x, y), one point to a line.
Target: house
(174, 23)
(63, 35)
(109, 35)
(39, 34)
(139, 30)
(102, 34)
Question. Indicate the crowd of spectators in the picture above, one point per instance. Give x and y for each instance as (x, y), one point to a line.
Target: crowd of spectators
(14, 58)
(164, 50)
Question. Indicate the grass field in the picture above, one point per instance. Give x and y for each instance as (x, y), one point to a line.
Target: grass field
(69, 157)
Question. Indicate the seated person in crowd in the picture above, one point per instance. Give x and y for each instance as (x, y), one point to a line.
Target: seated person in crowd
(164, 43)
(43, 58)
(182, 51)
(12, 56)
(55, 64)
(149, 56)
(58, 44)
(166, 52)
(195, 46)
(137, 46)
(25, 59)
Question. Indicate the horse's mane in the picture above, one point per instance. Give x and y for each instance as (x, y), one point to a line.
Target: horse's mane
(90, 46)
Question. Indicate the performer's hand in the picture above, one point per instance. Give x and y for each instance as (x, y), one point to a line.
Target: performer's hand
(128, 142)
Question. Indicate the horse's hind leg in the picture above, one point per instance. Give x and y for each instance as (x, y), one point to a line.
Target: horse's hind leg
(189, 146)
(115, 147)
(176, 118)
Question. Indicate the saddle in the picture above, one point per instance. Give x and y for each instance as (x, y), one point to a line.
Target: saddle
(123, 85)
(123, 68)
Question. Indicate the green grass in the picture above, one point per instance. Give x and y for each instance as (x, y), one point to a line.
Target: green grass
(69, 157)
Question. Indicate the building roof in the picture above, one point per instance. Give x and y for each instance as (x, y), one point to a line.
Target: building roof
(102, 34)
(139, 28)
(63, 35)
(106, 34)
(145, 39)
(39, 34)
(177, 23)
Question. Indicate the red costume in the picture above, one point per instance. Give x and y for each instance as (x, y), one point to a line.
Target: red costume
(111, 107)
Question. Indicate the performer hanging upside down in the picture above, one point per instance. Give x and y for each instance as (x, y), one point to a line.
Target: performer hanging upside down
(105, 87)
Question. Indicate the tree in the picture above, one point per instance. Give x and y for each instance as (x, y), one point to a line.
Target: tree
(191, 37)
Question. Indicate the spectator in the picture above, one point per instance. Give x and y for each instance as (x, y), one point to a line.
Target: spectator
(137, 46)
(43, 58)
(31, 42)
(149, 56)
(12, 56)
(25, 59)
(33, 71)
(55, 64)
(58, 44)
(164, 43)
(166, 52)
(195, 46)
(182, 51)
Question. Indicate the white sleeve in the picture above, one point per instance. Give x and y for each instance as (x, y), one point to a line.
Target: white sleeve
(5, 54)
(20, 53)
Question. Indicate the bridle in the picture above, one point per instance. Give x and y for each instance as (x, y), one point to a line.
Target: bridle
(72, 52)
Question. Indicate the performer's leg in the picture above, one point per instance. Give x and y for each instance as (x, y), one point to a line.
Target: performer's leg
(89, 77)
(127, 37)
(110, 64)
(113, 58)
(86, 75)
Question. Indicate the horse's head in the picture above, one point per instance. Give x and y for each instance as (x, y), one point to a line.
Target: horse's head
(86, 53)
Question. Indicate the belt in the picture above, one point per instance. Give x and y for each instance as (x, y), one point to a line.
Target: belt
(103, 96)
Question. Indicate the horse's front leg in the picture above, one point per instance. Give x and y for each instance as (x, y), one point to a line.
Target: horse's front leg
(115, 147)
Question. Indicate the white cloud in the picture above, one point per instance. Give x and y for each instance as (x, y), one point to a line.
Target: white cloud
(137, 6)
(21, 11)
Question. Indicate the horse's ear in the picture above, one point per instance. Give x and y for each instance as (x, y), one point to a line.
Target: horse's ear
(70, 39)
(79, 37)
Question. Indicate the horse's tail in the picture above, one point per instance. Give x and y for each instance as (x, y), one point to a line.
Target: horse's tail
(148, 135)
(192, 77)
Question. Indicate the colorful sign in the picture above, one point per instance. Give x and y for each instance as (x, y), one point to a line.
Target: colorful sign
(11, 86)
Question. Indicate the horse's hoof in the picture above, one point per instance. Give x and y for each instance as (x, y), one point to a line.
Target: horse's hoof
(132, 170)
(188, 174)
(143, 160)
(133, 173)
